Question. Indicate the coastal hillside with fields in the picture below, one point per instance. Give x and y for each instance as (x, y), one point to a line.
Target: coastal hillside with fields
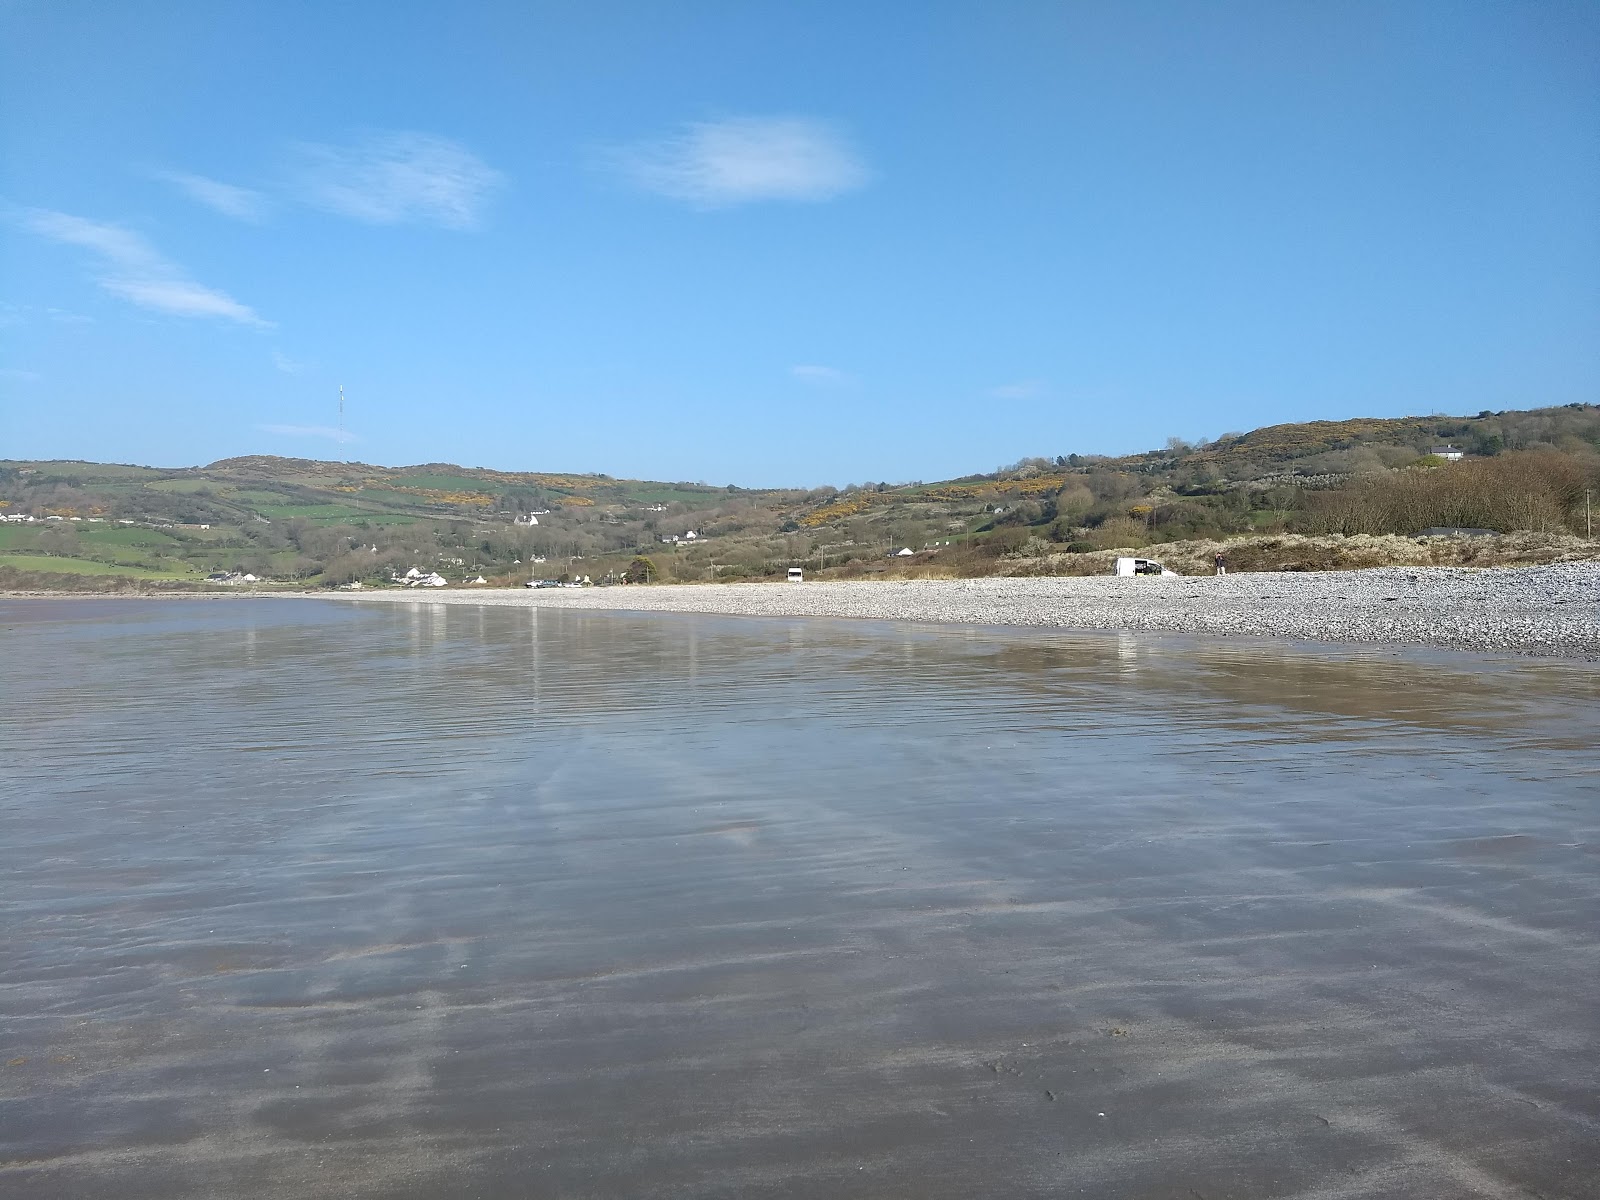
(1319, 495)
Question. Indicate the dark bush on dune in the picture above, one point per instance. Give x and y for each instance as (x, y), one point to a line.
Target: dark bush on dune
(1536, 490)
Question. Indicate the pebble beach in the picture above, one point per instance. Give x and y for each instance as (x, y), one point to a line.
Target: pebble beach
(1549, 610)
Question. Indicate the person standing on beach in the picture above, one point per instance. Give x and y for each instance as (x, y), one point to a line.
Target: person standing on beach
(1222, 563)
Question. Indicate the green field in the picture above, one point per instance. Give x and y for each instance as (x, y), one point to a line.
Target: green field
(449, 483)
(312, 512)
(373, 518)
(18, 537)
(125, 535)
(82, 566)
(182, 486)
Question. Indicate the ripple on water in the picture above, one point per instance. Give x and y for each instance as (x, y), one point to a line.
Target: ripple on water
(303, 899)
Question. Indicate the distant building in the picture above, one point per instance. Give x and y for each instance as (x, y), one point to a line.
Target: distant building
(525, 519)
(904, 552)
(1455, 531)
(1448, 453)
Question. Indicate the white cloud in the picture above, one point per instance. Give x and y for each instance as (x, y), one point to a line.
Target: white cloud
(20, 314)
(812, 373)
(716, 164)
(310, 431)
(1025, 389)
(394, 178)
(241, 203)
(286, 364)
(133, 269)
(182, 298)
(18, 374)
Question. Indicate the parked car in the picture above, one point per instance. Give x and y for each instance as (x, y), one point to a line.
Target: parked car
(543, 583)
(1140, 566)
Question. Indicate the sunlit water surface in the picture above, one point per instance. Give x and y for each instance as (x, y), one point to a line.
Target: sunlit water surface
(306, 899)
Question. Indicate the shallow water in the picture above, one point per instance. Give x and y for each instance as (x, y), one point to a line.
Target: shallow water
(314, 899)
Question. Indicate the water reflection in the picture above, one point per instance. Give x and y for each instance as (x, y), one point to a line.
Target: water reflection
(306, 899)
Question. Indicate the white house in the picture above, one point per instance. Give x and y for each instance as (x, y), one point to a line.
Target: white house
(1448, 453)
(904, 552)
(525, 519)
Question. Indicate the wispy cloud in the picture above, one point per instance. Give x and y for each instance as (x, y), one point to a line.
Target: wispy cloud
(240, 203)
(18, 314)
(19, 375)
(286, 364)
(828, 376)
(1025, 389)
(133, 269)
(717, 164)
(310, 431)
(393, 178)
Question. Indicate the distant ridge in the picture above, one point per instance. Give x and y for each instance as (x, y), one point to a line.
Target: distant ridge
(327, 522)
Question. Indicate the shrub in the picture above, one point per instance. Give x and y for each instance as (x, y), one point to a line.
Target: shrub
(1534, 490)
(641, 570)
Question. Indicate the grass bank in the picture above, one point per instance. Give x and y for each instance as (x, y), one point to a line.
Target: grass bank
(1265, 552)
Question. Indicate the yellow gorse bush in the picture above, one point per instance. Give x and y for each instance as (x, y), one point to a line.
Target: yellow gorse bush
(858, 502)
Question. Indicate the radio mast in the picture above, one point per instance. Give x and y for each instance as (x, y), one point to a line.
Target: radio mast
(341, 414)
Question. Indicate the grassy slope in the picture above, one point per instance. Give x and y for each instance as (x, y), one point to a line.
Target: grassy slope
(56, 565)
(232, 494)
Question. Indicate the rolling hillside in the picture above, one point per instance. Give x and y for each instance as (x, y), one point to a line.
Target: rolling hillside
(309, 523)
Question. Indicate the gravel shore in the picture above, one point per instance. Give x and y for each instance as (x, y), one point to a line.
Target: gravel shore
(1549, 610)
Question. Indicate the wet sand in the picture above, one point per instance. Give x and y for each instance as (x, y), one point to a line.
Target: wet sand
(436, 901)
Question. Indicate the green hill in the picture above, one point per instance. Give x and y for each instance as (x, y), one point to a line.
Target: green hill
(310, 523)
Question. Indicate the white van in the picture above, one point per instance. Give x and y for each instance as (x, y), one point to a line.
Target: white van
(796, 575)
(1140, 566)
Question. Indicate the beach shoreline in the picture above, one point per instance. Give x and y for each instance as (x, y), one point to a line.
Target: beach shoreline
(1551, 611)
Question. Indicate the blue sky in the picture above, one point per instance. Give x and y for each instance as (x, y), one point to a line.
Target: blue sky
(783, 243)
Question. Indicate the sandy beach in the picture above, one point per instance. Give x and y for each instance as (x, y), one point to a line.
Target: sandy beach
(1546, 610)
(414, 902)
